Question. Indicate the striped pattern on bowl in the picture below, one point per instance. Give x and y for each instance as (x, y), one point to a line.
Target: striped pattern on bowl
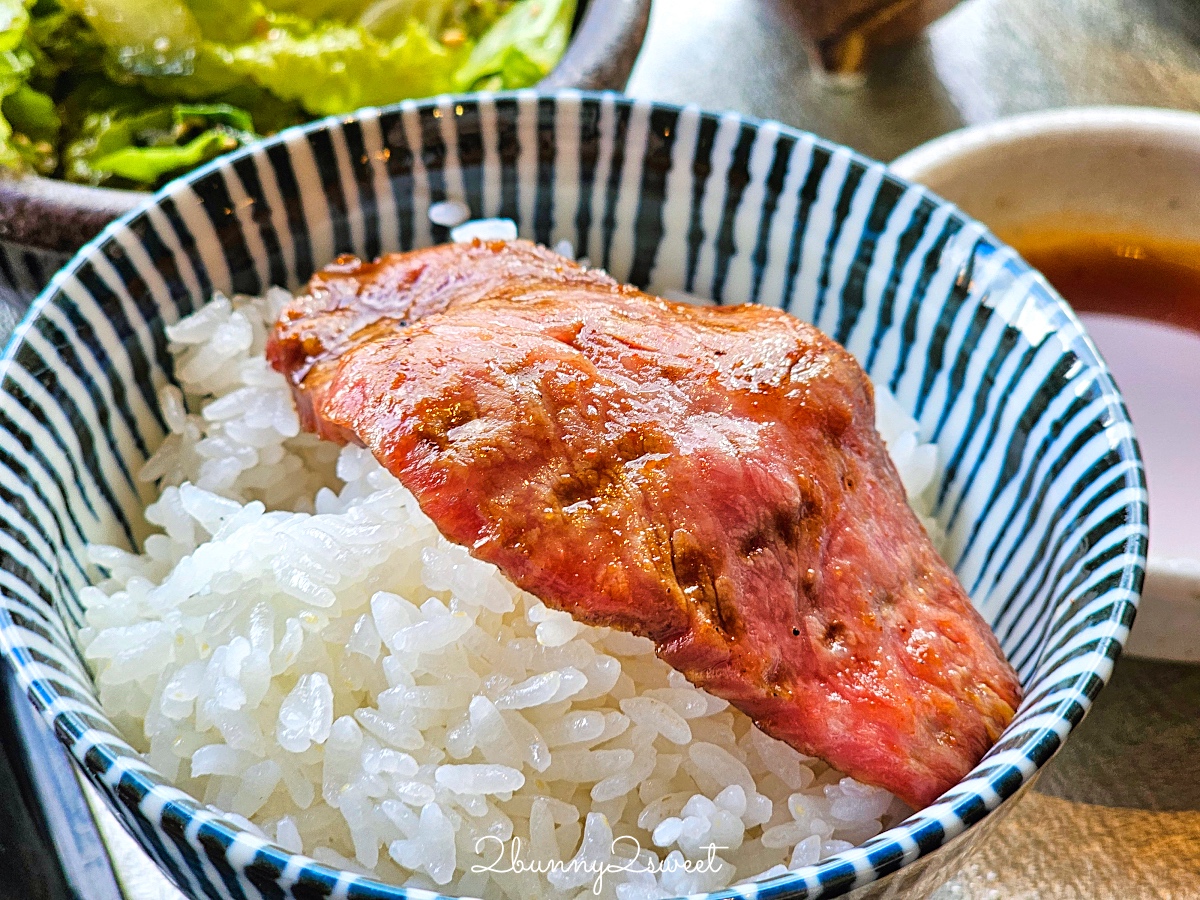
(1041, 488)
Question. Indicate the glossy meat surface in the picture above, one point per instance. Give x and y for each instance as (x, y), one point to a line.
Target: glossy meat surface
(710, 478)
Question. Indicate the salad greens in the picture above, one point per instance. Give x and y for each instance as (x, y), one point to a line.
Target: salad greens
(130, 93)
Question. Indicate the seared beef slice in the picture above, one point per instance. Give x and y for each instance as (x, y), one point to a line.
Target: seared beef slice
(710, 478)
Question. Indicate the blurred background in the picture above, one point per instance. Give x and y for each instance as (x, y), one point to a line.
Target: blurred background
(983, 60)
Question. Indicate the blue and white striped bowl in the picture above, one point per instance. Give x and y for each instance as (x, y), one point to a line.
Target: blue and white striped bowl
(1041, 488)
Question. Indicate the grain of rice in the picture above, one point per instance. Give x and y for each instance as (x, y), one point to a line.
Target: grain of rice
(449, 213)
(485, 230)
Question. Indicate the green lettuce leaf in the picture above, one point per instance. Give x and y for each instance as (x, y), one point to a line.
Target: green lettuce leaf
(343, 11)
(469, 18)
(145, 38)
(32, 113)
(338, 68)
(132, 91)
(14, 22)
(213, 113)
(62, 43)
(149, 165)
(516, 70)
(522, 47)
(230, 21)
(142, 145)
(16, 64)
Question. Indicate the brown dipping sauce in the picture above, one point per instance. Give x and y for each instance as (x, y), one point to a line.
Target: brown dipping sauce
(1140, 301)
(1121, 275)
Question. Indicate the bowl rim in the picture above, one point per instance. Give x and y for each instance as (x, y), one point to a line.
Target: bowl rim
(1066, 121)
(920, 834)
(50, 215)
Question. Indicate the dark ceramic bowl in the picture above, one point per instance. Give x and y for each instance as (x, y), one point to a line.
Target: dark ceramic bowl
(43, 221)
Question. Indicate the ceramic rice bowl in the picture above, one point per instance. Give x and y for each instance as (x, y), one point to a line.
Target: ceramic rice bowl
(1040, 486)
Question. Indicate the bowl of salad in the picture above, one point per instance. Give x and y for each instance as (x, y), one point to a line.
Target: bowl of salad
(102, 101)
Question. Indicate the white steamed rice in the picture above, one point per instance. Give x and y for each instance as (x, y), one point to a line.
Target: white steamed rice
(298, 646)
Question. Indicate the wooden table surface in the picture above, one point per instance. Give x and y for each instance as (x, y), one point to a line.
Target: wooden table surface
(1117, 813)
